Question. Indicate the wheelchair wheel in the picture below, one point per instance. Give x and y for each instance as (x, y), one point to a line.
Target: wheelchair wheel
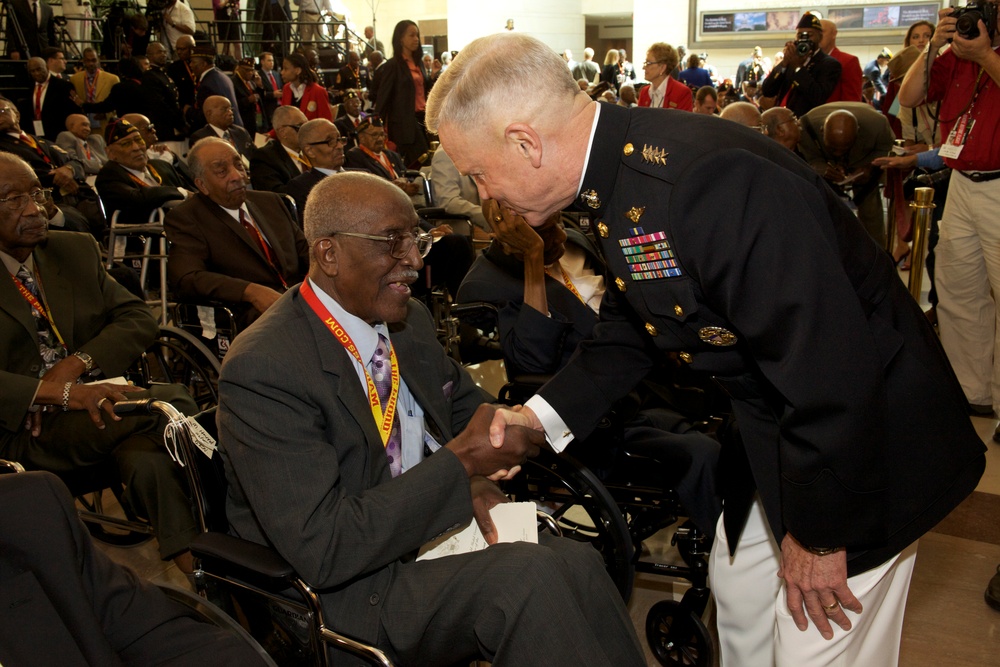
(582, 508)
(178, 357)
(678, 640)
(209, 613)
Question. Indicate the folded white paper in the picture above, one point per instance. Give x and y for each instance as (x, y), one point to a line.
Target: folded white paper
(515, 522)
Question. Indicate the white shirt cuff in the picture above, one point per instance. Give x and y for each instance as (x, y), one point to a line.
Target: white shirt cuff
(557, 434)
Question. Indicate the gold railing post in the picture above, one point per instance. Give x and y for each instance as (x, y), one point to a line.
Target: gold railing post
(923, 206)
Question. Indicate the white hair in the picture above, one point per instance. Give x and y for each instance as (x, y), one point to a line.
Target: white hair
(497, 78)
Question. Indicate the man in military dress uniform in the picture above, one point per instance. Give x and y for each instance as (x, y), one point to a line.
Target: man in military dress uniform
(729, 251)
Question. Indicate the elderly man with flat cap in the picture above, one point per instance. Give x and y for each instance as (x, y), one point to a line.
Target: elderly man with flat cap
(132, 183)
(230, 244)
(727, 250)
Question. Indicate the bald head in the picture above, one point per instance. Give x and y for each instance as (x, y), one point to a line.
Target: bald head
(283, 119)
(350, 202)
(829, 39)
(218, 111)
(38, 70)
(78, 125)
(840, 131)
(743, 113)
(781, 125)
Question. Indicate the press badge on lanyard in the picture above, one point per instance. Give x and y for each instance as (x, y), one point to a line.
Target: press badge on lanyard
(953, 145)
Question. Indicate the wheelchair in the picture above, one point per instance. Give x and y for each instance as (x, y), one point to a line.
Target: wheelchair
(175, 357)
(249, 581)
(600, 492)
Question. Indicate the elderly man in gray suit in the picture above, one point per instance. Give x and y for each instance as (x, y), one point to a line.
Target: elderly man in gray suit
(78, 141)
(329, 459)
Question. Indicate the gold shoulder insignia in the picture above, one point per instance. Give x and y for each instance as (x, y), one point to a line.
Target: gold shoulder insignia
(591, 199)
(654, 155)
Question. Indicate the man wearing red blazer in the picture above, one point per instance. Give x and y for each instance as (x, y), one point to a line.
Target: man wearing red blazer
(849, 87)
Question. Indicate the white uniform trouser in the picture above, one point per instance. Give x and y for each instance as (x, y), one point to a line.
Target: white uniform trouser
(756, 629)
(967, 266)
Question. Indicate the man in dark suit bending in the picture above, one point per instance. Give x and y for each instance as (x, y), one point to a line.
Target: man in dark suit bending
(348, 498)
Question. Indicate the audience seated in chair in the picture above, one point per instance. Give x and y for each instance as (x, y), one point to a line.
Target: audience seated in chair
(323, 145)
(78, 206)
(347, 501)
(79, 142)
(350, 117)
(372, 156)
(229, 244)
(456, 193)
(219, 116)
(132, 183)
(63, 322)
(279, 161)
(547, 283)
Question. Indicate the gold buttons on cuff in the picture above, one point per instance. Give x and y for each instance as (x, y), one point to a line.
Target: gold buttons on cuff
(602, 229)
(628, 149)
(651, 330)
(678, 311)
(686, 357)
(620, 284)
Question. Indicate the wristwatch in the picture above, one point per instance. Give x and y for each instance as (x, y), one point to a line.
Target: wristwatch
(87, 360)
(822, 551)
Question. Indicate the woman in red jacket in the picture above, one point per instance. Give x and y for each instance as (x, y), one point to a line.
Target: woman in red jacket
(302, 89)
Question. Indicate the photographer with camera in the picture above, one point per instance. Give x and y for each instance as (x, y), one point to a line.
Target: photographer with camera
(806, 76)
(965, 79)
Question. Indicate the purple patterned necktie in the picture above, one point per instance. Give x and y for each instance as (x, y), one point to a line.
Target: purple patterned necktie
(382, 376)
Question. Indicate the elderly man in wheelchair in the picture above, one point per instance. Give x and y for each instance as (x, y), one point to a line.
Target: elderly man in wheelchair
(347, 466)
(63, 323)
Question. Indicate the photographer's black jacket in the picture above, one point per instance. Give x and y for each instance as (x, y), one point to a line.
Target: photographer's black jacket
(810, 86)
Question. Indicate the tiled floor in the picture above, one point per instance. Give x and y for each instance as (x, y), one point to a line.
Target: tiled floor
(947, 623)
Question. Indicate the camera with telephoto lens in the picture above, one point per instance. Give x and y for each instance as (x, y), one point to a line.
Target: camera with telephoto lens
(969, 17)
(804, 44)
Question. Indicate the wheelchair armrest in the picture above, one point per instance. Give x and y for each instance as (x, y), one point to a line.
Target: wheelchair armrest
(10, 467)
(475, 310)
(249, 556)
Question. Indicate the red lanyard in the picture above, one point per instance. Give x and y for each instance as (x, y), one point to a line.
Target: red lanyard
(39, 89)
(383, 419)
(142, 183)
(36, 305)
(384, 161)
(569, 283)
(28, 139)
(91, 86)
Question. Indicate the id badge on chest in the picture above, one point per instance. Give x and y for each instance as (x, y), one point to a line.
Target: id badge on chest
(953, 145)
(39, 128)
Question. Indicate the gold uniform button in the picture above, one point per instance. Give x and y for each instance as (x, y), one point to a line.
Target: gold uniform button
(651, 329)
(628, 149)
(679, 311)
(686, 357)
(620, 284)
(602, 229)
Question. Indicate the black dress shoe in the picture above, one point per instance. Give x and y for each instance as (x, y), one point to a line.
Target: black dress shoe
(992, 594)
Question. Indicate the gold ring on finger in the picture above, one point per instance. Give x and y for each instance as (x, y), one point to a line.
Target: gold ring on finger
(831, 607)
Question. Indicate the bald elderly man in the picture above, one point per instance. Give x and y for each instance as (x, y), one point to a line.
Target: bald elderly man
(81, 143)
(220, 122)
(744, 113)
(839, 141)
